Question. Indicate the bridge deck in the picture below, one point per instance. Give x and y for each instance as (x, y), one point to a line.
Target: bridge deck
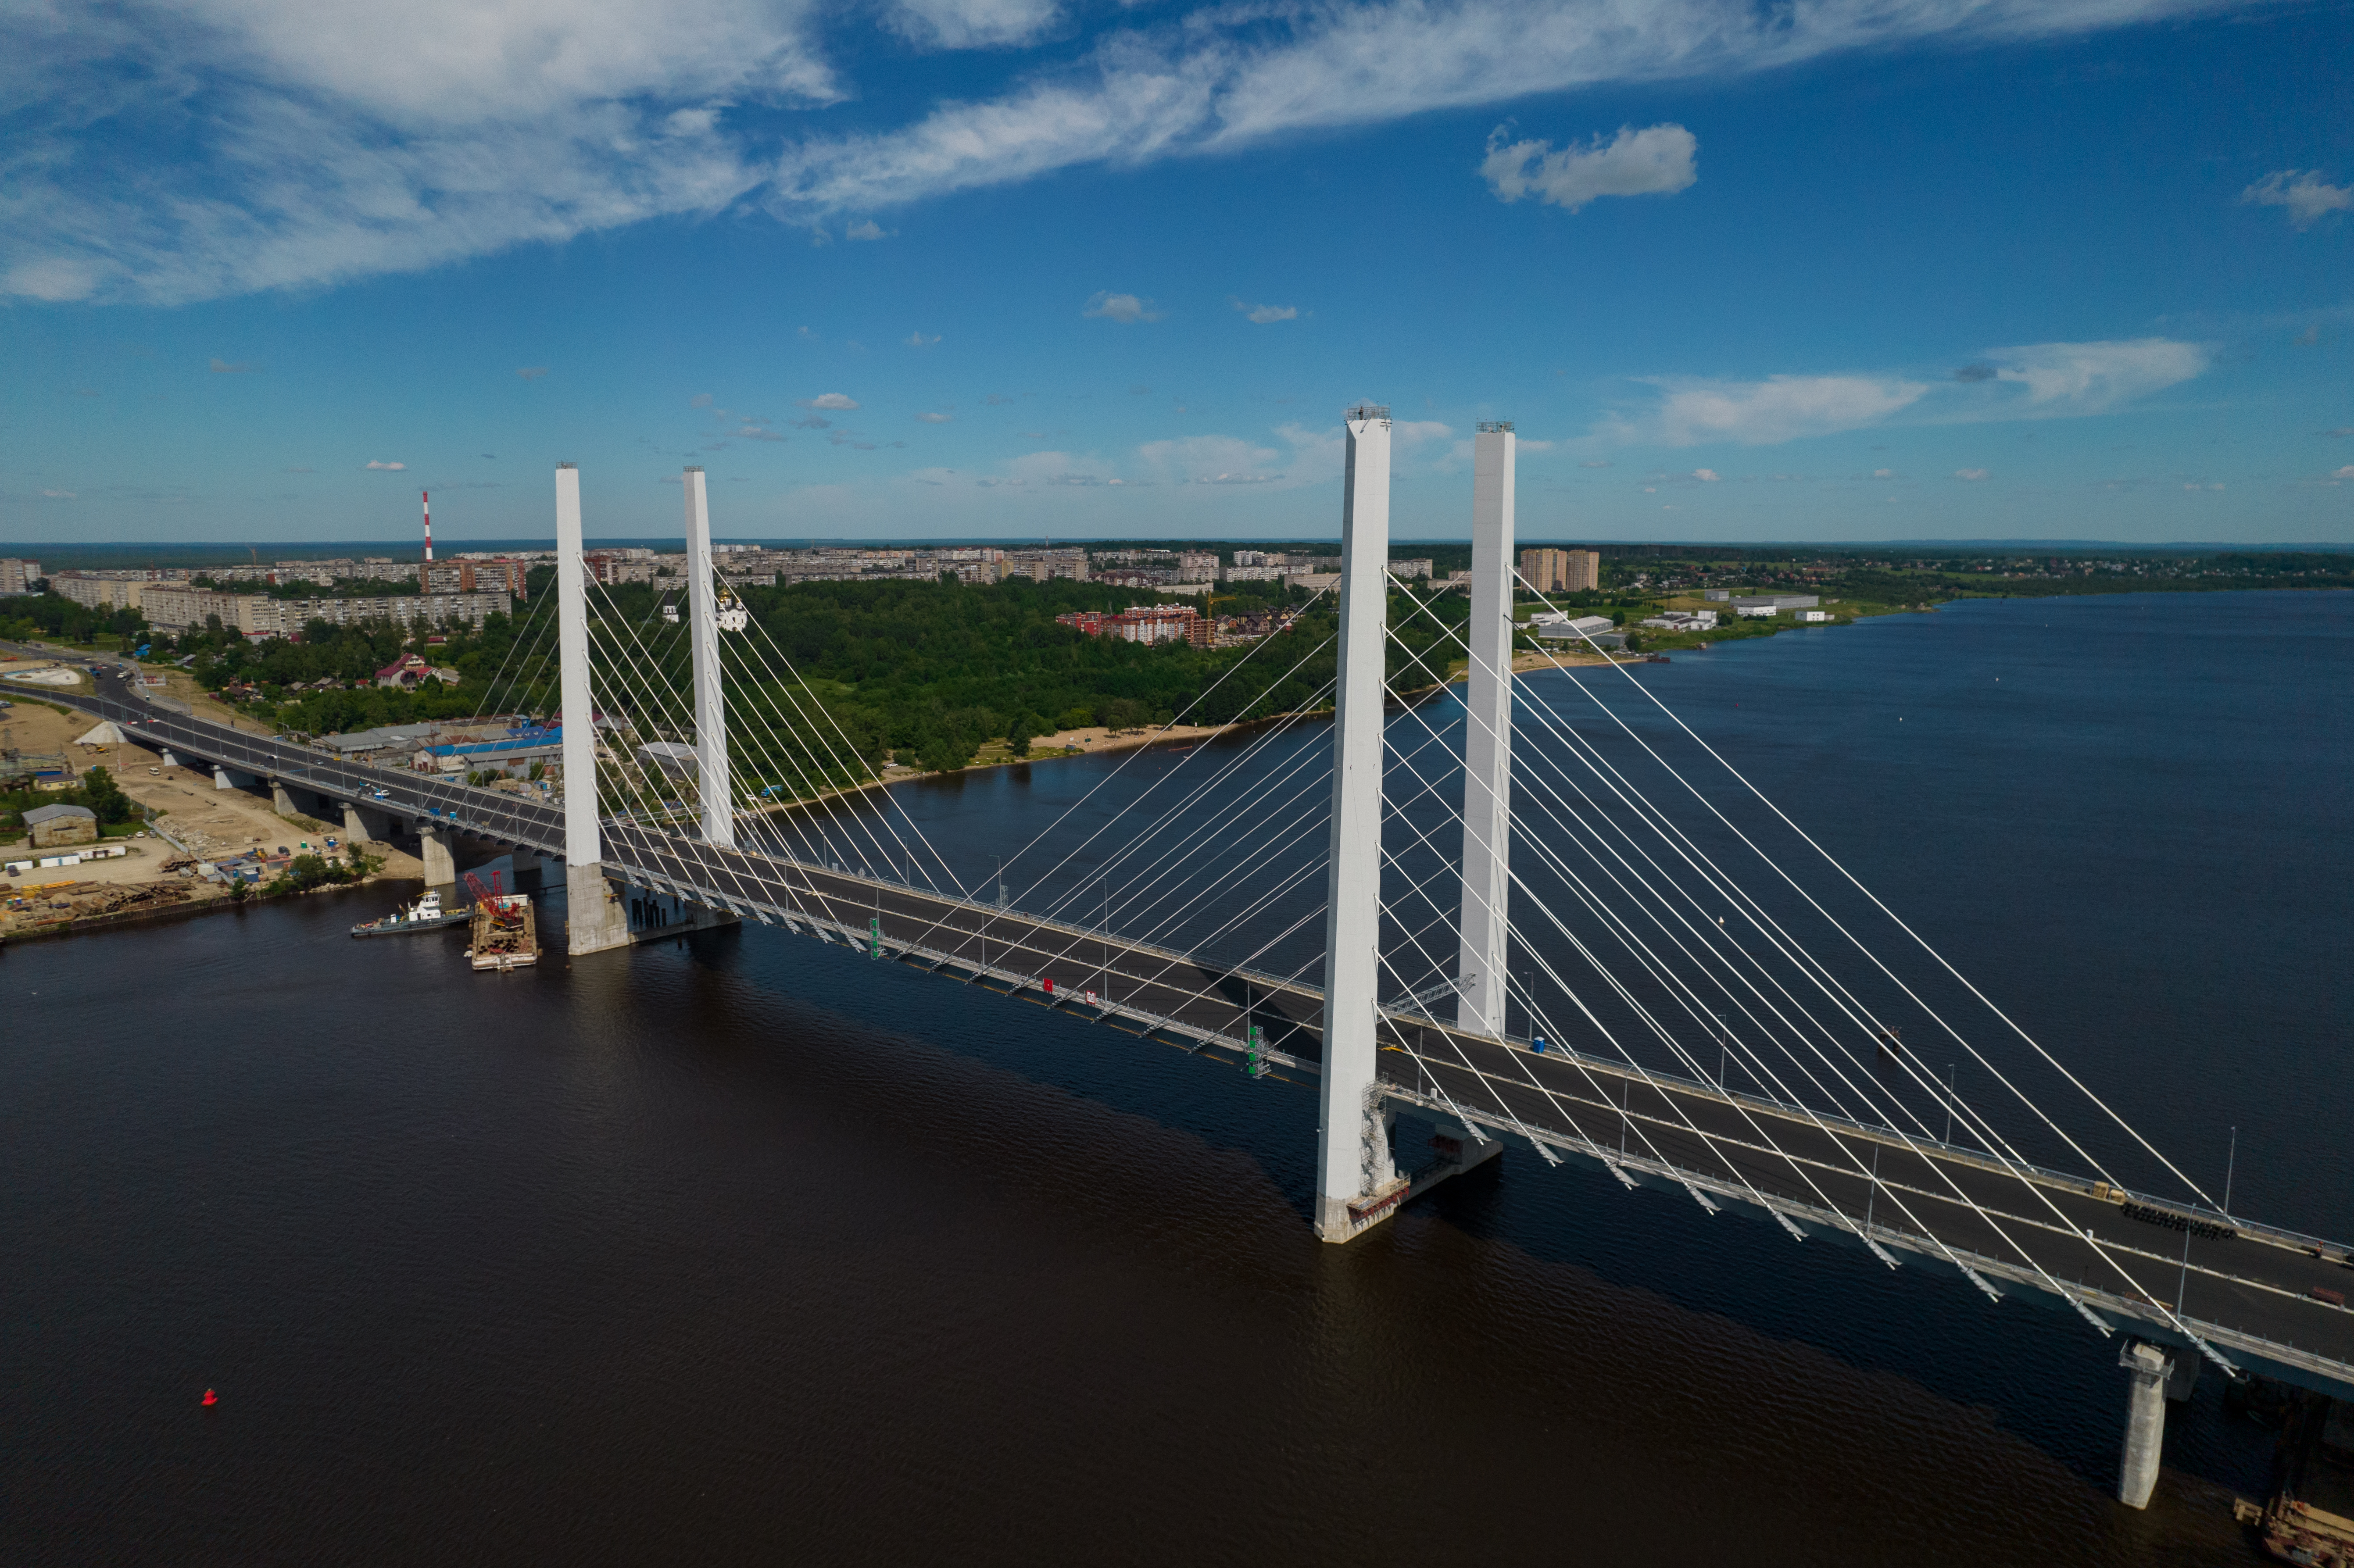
(2247, 1292)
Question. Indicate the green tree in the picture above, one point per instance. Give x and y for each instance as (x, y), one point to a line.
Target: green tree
(1021, 733)
(101, 794)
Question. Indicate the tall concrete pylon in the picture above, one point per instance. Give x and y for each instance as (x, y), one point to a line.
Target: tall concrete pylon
(1352, 1158)
(1488, 736)
(594, 916)
(710, 700)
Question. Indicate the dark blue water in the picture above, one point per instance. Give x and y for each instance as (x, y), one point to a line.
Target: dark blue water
(744, 1249)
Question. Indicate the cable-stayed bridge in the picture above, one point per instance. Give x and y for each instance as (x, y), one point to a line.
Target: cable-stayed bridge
(1543, 913)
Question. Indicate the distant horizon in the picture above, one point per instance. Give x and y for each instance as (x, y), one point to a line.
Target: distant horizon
(198, 553)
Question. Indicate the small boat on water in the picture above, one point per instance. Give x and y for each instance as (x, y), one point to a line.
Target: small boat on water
(425, 915)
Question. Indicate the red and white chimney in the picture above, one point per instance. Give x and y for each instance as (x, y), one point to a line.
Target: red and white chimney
(428, 497)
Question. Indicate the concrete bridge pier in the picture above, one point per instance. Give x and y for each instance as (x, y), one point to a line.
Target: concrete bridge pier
(440, 863)
(226, 777)
(2151, 1369)
(281, 802)
(359, 829)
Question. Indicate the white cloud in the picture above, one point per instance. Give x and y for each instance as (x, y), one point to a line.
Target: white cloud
(1595, 462)
(61, 495)
(1884, 473)
(1656, 161)
(1126, 309)
(935, 419)
(830, 400)
(530, 372)
(2090, 377)
(1969, 473)
(1262, 315)
(972, 24)
(223, 368)
(387, 467)
(1706, 475)
(164, 152)
(700, 401)
(1758, 413)
(1211, 460)
(2304, 192)
(2346, 472)
(917, 340)
(869, 229)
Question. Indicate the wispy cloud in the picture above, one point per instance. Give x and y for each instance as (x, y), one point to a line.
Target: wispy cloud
(831, 400)
(530, 372)
(61, 495)
(869, 230)
(223, 368)
(2090, 377)
(935, 419)
(917, 340)
(387, 467)
(1760, 413)
(2308, 198)
(1126, 309)
(192, 151)
(1970, 473)
(1706, 475)
(2033, 381)
(1655, 161)
(1263, 315)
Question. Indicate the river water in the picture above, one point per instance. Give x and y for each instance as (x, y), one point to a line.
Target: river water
(743, 1249)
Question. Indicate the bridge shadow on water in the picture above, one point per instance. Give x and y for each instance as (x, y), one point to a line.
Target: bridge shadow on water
(1526, 1332)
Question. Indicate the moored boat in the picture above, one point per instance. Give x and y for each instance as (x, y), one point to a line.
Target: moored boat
(425, 915)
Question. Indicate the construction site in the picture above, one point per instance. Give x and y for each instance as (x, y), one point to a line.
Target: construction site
(137, 870)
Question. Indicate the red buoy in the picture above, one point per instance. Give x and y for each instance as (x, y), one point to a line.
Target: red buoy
(211, 1398)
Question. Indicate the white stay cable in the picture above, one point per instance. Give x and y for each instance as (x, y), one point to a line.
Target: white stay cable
(1546, 853)
(1901, 925)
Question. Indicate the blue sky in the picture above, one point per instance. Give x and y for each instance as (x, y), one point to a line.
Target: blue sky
(2042, 268)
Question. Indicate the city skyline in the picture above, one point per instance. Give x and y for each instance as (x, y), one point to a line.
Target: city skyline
(1002, 270)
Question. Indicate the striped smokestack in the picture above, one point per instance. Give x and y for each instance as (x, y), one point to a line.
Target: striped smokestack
(427, 496)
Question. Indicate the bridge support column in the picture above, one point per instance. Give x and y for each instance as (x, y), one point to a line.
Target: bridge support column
(1488, 738)
(710, 701)
(440, 865)
(281, 802)
(2145, 1421)
(232, 779)
(1356, 1180)
(594, 919)
(356, 826)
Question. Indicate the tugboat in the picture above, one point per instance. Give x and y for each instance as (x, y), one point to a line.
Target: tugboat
(425, 915)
